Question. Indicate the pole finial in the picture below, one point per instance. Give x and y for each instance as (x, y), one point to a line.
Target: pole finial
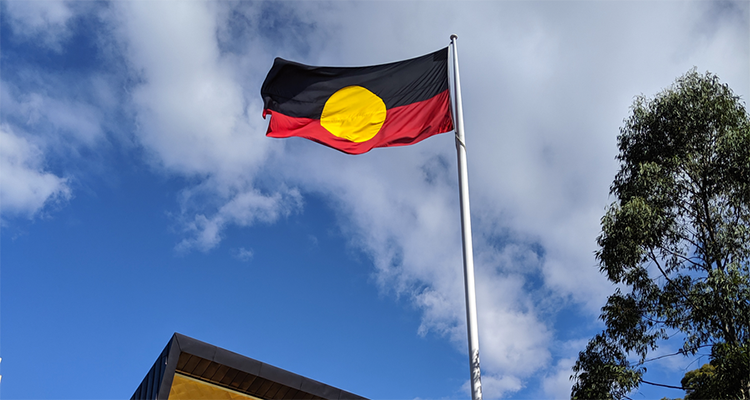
(454, 36)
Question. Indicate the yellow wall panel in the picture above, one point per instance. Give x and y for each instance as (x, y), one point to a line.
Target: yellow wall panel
(187, 388)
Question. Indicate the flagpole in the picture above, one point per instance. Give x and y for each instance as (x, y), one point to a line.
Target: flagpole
(463, 183)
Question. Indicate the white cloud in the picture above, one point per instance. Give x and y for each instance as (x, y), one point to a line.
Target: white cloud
(195, 120)
(497, 386)
(243, 254)
(40, 22)
(25, 187)
(243, 209)
(40, 124)
(557, 383)
(192, 114)
(70, 121)
(513, 338)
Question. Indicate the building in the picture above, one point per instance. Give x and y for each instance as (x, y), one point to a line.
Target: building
(191, 369)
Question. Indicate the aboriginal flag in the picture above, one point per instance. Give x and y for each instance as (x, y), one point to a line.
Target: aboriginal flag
(354, 109)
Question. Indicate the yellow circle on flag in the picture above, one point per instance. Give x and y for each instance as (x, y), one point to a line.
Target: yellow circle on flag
(353, 113)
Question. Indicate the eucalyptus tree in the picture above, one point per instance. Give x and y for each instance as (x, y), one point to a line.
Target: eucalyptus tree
(676, 244)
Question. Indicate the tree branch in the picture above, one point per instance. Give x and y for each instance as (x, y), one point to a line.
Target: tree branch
(662, 385)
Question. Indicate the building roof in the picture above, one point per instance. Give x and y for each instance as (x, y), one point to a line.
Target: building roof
(198, 367)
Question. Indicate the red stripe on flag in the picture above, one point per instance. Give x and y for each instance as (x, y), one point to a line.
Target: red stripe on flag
(403, 126)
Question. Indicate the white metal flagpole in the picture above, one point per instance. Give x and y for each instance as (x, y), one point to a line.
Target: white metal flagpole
(463, 183)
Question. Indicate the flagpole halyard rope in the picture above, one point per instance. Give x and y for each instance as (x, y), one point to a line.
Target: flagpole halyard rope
(460, 143)
(468, 249)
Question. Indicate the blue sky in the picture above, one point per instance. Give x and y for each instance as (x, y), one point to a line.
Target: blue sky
(139, 196)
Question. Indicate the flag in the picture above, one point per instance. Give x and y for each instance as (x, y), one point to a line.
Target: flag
(355, 109)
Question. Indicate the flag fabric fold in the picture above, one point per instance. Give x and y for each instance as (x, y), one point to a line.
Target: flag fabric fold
(355, 109)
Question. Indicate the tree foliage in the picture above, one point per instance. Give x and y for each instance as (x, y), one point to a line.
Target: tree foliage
(676, 243)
